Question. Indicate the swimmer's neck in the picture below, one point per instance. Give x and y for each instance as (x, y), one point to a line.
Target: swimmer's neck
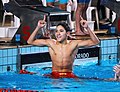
(63, 42)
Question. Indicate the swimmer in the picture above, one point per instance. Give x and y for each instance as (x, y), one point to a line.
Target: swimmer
(62, 50)
(117, 72)
(116, 69)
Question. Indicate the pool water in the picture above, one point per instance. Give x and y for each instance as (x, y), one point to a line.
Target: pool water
(38, 82)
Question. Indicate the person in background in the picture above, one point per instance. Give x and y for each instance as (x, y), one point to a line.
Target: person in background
(71, 7)
(62, 3)
(105, 15)
(82, 6)
(67, 5)
(62, 50)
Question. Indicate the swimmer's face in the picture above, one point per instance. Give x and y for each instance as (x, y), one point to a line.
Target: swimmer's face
(60, 34)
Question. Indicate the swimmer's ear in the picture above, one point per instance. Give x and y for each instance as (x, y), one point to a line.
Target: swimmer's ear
(68, 33)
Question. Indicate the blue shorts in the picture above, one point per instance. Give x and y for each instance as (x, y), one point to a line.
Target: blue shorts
(83, 1)
(60, 1)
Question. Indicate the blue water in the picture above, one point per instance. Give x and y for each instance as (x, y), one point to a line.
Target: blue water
(39, 82)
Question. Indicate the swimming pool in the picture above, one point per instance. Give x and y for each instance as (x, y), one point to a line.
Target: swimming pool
(38, 82)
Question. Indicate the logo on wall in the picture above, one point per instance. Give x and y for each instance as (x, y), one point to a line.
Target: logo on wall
(82, 55)
(87, 53)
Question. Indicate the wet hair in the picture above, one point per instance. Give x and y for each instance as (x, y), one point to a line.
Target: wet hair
(65, 25)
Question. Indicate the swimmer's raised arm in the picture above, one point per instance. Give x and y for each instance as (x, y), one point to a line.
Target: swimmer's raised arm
(93, 38)
(39, 42)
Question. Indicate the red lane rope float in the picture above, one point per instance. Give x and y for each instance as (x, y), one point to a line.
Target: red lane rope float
(14, 90)
(25, 72)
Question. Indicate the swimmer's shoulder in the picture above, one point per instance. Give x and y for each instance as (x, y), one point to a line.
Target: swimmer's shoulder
(73, 41)
(52, 41)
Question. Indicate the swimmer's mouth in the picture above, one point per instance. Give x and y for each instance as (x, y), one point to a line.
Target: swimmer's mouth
(58, 37)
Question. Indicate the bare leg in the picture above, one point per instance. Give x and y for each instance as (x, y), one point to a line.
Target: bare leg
(84, 12)
(79, 12)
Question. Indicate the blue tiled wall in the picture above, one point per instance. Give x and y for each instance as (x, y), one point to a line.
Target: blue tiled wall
(109, 51)
(9, 56)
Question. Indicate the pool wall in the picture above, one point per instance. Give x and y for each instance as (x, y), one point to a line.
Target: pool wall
(109, 53)
(86, 55)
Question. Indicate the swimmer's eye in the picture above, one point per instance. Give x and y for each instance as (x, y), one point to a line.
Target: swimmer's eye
(61, 30)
